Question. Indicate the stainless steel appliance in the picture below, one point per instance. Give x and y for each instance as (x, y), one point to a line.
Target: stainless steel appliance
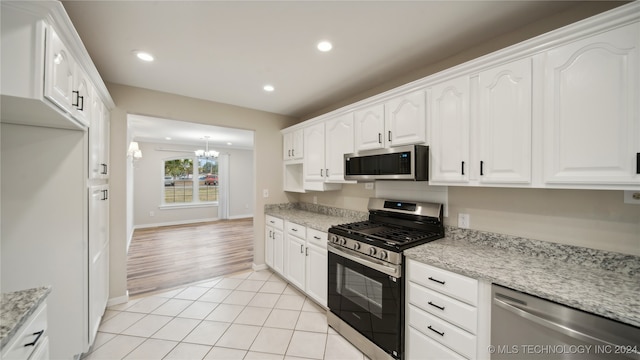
(528, 327)
(409, 162)
(366, 270)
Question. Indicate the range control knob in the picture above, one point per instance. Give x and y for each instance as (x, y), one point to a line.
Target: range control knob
(372, 251)
(343, 241)
(333, 238)
(356, 246)
(384, 255)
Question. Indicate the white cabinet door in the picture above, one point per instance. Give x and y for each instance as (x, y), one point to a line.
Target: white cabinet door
(98, 255)
(338, 141)
(591, 124)
(59, 72)
(268, 245)
(292, 145)
(278, 251)
(449, 133)
(81, 97)
(369, 128)
(504, 124)
(316, 273)
(295, 261)
(98, 140)
(314, 169)
(405, 119)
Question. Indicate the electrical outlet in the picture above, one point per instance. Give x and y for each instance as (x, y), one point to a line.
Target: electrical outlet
(151, 213)
(368, 186)
(315, 199)
(464, 221)
(632, 197)
(265, 193)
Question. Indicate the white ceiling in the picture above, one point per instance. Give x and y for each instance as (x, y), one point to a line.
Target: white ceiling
(226, 51)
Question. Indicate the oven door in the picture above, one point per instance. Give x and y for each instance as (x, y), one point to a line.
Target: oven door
(368, 300)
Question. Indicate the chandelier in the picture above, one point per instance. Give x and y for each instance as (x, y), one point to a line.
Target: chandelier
(206, 153)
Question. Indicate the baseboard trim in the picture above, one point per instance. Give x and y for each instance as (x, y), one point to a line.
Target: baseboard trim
(170, 223)
(260, 267)
(245, 216)
(118, 300)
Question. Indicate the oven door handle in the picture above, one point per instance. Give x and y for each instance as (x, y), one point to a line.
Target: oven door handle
(371, 263)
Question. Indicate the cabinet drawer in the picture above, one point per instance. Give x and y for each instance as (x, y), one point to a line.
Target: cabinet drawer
(457, 286)
(318, 238)
(443, 332)
(274, 221)
(296, 230)
(421, 346)
(442, 306)
(29, 333)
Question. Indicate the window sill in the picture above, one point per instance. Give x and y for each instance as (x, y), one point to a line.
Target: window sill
(187, 205)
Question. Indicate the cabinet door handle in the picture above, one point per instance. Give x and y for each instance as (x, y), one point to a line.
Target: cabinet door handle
(37, 335)
(637, 163)
(389, 135)
(293, 152)
(436, 280)
(81, 106)
(104, 169)
(306, 252)
(301, 249)
(326, 172)
(435, 331)
(105, 195)
(321, 172)
(481, 167)
(379, 138)
(77, 94)
(436, 306)
(463, 168)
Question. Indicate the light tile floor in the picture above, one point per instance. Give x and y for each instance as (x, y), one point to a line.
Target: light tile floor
(250, 315)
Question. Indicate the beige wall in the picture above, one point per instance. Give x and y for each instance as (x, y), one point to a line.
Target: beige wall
(267, 164)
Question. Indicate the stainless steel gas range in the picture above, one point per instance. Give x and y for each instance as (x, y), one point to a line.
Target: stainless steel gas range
(366, 271)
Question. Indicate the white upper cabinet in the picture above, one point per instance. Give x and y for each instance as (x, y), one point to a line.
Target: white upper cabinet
(99, 140)
(369, 128)
(504, 124)
(591, 125)
(399, 121)
(293, 145)
(449, 131)
(405, 119)
(338, 141)
(314, 153)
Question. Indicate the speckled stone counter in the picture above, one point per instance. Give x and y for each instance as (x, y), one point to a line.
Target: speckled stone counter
(313, 216)
(600, 282)
(15, 309)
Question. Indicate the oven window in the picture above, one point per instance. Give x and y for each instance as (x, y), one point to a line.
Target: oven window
(361, 290)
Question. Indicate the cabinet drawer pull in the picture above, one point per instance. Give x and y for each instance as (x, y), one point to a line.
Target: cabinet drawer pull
(293, 229)
(436, 306)
(435, 331)
(317, 237)
(37, 335)
(436, 280)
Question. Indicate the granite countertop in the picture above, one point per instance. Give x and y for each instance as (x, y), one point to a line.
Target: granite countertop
(316, 217)
(599, 282)
(15, 309)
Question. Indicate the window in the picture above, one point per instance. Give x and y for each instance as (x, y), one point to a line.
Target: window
(182, 180)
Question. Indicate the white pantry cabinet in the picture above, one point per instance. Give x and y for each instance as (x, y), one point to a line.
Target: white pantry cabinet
(399, 121)
(591, 118)
(449, 131)
(54, 223)
(504, 124)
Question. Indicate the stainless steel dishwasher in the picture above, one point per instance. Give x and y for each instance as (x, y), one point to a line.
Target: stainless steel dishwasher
(528, 327)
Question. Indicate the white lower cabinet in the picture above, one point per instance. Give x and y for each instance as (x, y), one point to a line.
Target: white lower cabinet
(299, 254)
(31, 340)
(446, 314)
(274, 244)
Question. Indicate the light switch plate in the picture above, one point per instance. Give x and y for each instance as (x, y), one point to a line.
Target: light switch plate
(464, 221)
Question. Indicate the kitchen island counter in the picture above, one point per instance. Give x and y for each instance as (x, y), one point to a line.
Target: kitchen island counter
(600, 282)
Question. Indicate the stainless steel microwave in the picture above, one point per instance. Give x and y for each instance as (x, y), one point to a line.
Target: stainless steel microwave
(410, 162)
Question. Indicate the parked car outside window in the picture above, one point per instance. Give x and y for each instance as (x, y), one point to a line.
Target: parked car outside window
(168, 181)
(211, 179)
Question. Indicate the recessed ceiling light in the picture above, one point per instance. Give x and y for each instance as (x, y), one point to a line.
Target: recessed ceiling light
(167, 138)
(269, 88)
(324, 46)
(229, 144)
(144, 56)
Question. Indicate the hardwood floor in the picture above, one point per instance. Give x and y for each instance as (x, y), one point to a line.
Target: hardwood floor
(170, 256)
